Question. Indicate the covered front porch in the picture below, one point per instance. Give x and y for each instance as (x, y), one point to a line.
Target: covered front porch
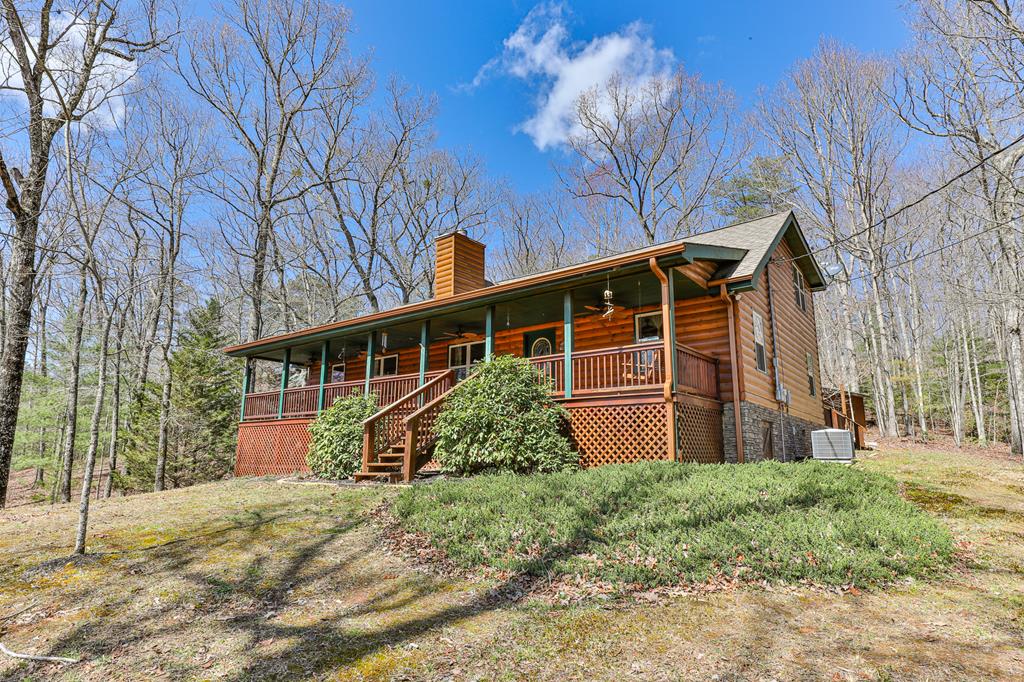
(633, 352)
(581, 346)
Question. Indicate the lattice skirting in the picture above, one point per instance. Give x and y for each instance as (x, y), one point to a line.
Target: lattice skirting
(699, 429)
(272, 447)
(619, 431)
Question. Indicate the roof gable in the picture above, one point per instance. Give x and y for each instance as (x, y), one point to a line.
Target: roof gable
(760, 238)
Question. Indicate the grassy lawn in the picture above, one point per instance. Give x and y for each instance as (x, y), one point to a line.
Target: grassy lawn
(657, 524)
(253, 579)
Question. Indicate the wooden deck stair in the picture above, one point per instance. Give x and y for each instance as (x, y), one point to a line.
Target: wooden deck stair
(398, 440)
(387, 468)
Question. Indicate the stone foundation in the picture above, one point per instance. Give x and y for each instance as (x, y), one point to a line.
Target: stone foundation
(790, 436)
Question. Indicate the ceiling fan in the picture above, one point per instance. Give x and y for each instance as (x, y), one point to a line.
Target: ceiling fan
(607, 306)
(454, 335)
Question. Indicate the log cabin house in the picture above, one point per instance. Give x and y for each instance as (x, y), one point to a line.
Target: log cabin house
(700, 349)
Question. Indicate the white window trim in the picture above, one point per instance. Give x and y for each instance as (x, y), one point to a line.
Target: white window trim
(330, 371)
(799, 285)
(468, 355)
(636, 327)
(757, 322)
(378, 365)
(811, 383)
(533, 346)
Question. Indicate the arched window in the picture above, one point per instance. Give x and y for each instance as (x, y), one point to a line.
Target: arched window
(541, 346)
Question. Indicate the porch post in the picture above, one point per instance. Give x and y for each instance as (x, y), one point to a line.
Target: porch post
(669, 351)
(567, 321)
(286, 368)
(245, 387)
(371, 340)
(424, 350)
(323, 376)
(489, 334)
(670, 328)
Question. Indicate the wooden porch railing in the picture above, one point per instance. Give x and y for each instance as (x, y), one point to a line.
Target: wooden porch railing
(301, 401)
(629, 368)
(261, 405)
(697, 372)
(618, 369)
(551, 371)
(387, 428)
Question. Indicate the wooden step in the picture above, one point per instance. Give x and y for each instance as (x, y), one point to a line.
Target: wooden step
(384, 466)
(381, 476)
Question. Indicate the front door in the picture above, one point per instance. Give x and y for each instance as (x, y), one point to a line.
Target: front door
(462, 357)
(539, 343)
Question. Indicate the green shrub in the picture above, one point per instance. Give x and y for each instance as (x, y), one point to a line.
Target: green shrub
(502, 420)
(664, 523)
(336, 442)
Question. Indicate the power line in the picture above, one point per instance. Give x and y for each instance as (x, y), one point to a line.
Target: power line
(921, 199)
(886, 268)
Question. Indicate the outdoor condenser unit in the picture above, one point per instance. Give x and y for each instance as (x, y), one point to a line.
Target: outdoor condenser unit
(832, 445)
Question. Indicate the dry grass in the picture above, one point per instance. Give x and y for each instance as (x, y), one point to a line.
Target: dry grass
(258, 580)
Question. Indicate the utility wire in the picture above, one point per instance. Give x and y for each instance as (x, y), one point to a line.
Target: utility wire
(921, 199)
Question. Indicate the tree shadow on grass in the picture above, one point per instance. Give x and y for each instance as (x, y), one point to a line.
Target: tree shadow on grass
(402, 606)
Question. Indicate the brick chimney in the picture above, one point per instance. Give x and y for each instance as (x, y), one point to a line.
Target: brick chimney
(458, 265)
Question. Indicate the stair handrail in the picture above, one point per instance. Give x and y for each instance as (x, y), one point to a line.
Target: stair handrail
(412, 433)
(371, 451)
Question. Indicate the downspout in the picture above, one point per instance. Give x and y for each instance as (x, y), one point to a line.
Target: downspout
(776, 365)
(669, 353)
(723, 293)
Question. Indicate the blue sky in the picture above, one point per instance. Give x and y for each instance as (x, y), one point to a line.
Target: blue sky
(442, 47)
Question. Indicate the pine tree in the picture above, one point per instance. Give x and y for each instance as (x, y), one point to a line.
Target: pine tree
(204, 409)
(204, 402)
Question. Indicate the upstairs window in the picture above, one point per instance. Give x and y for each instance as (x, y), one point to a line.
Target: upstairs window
(810, 374)
(760, 356)
(800, 289)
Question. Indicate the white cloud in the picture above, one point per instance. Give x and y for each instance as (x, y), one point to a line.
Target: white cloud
(541, 52)
(103, 105)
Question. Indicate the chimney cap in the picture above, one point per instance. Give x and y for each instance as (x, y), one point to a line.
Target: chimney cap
(461, 232)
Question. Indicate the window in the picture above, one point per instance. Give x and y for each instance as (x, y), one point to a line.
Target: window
(337, 372)
(800, 289)
(462, 356)
(760, 357)
(810, 373)
(385, 365)
(647, 327)
(541, 346)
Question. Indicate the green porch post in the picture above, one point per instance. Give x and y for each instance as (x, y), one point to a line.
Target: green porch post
(671, 331)
(246, 372)
(424, 350)
(324, 351)
(567, 341)
(489, 334)
(286, 368)
(371, 341)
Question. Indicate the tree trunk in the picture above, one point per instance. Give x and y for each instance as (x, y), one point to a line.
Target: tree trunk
(68, 458)
(94, 440)
(21, 288)
(115, 416)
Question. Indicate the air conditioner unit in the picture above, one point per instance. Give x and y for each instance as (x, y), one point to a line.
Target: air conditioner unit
(832, 445)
